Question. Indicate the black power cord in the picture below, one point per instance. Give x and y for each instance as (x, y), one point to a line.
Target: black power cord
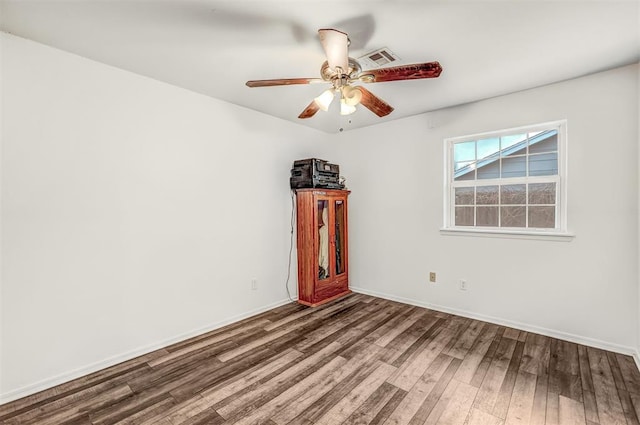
(293, 219)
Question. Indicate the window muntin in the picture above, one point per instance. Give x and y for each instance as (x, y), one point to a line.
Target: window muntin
(511, 180)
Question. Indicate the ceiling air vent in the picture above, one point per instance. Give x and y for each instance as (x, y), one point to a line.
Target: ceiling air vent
(378, 58)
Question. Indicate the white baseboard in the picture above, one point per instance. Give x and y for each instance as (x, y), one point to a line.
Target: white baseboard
(114, 360)
(578, 339)
(636, 357)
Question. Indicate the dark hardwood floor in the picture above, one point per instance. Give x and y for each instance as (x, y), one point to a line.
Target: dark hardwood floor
(357, 360)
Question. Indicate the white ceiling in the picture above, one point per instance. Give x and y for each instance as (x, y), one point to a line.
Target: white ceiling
(213, 47)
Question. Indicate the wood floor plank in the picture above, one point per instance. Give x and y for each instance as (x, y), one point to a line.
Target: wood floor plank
(136, 418)
(396, 329)
(72, 411)
(570, 412)
(220, 392)
(332, 327)
(408, 374)
(511, 333)
(303, 317)
(630, 373)
(358, 360)
(590, 407)
(441, 406)
(564, 370)
(422, 389)
(477, 353)
(432, 399)
(208, 342)
(180, 413)
(552, 414)
(348, 375)
(459, 406)
(390, 407)
(536, 353)
(490, 387)
(507, 388)
(69, 391)
(128, 406)
(607, 399)
(635, 401)
(487, 359)
(274, 405)
(354, 399)
(463, 344)
(615, 371)
(539, 408)
(278, 383)
(520, 407)
(566, 354)
(459, 326)
(228, 355)
(478, 417)
(366, 413)
(407, 343)
(316, 404)
(627, 407)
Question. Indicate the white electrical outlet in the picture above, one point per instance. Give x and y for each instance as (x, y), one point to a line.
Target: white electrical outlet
(463, 285)
(254, 284)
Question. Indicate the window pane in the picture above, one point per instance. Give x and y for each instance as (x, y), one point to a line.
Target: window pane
(515, 144)
(508, 179)
(340, 227)
(489, 171)
(512, 217)
(487, 216)
(545, 164)
(513, 194)
(464, 171)
(323, 238)
(487, 195)
(464, 151)
(488, 147)
(514, 167)
(464, 195)
(542, 193)
(464, 216)
(543, 141)
(542, 217)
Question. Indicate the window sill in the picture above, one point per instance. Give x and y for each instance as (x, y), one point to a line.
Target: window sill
(509, 234)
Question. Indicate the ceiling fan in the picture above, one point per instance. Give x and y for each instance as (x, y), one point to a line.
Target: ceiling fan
(342, 71)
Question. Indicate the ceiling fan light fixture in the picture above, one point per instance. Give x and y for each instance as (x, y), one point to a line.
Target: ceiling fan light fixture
(324, 100)
(351, 95)
(345, 108)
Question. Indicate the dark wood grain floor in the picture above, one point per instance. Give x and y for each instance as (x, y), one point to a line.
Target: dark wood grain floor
(358, 360)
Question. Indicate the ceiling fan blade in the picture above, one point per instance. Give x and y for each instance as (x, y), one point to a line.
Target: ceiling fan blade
(310, 110)
(283, 82)
(374, 103)
(404, 72)
(336, 46)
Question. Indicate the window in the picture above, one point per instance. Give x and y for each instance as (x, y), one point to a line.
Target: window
(510, 181)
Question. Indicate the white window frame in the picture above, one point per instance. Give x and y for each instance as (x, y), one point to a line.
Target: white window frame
(560, 232)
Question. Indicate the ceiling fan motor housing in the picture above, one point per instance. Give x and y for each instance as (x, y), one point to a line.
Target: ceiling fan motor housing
(330, 75)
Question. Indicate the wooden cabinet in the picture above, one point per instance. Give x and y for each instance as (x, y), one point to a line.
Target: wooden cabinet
(323, 260)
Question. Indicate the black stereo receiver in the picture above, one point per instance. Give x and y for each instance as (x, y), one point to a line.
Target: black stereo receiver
(313, 172)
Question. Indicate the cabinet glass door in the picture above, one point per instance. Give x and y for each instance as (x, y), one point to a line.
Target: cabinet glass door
(323, 239)
(340, 220)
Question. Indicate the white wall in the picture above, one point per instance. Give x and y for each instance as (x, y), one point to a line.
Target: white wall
(584, 290)
(133, 213)
(637, 353)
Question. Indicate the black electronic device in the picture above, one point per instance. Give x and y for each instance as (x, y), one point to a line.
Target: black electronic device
(314, 172)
